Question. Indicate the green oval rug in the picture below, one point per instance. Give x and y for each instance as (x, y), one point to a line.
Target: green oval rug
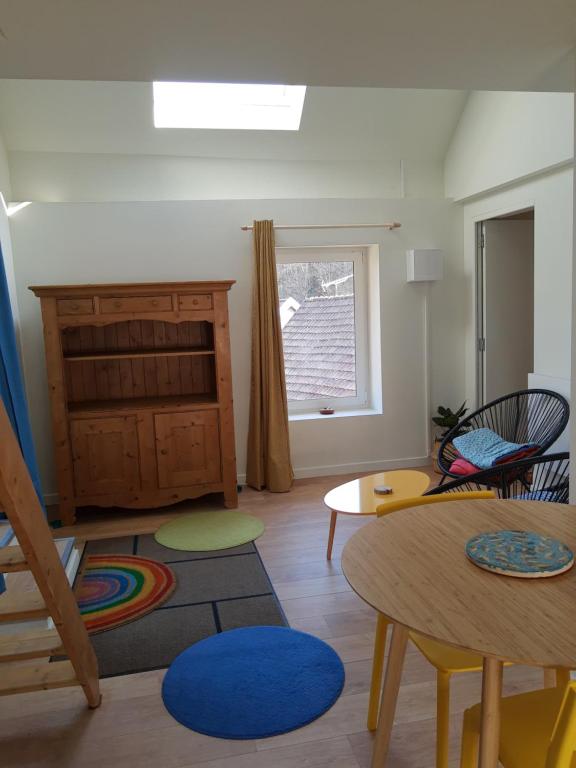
(206, 531)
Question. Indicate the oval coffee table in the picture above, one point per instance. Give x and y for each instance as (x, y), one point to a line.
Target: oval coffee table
(358, 498)
(412, 567)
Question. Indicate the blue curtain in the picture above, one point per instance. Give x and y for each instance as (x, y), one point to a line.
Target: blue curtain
(12, 385)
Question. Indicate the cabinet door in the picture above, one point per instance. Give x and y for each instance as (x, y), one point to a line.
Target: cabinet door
(187, 448)
(105, 454)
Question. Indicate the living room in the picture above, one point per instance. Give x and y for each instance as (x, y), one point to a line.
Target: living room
(385, 196)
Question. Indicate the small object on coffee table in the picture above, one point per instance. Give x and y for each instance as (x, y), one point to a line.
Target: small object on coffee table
(326, 411)
(522, 554)
(383, 490)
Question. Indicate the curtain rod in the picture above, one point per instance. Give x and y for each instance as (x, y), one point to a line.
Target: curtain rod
(389, 225)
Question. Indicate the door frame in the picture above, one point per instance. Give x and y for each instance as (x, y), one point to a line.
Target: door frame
(479, 282)
(480, 307)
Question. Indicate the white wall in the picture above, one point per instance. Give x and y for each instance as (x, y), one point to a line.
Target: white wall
(106, 242)
(5, 238)
(505, 137)
(88, 177)
(96, 141)
(573, 380)
(5, 186)
(512, 151)
(552, 196)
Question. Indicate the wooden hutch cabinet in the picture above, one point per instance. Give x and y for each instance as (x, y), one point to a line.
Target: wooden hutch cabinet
(141, 393)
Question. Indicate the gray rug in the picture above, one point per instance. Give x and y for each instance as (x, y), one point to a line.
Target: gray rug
(215, 591)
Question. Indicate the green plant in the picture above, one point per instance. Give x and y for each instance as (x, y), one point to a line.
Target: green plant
(446, 419)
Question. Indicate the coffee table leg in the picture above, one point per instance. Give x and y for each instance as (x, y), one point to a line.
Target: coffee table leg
(389, 695)
(331, 534)
(490, 725)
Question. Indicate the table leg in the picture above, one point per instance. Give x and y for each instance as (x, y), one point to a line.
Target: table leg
(549, 677)
(331, 534)
(389, 695)
(490, 724)
(562, 677)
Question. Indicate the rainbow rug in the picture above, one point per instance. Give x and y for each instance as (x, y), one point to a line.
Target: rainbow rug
(116, 589)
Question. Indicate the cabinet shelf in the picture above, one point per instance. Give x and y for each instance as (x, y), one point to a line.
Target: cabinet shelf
(189, 402)
(137, 353)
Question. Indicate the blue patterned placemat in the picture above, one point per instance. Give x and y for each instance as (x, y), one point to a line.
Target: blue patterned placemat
(523, 554)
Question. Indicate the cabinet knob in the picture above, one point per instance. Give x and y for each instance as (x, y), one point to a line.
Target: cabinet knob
(194, 301)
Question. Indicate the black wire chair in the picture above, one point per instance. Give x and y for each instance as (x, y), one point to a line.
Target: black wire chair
(529, 416)
(537, 478)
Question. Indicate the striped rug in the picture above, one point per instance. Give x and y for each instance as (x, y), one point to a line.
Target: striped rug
(116, 589)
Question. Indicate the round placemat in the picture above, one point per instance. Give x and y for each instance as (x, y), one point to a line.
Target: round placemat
(253, 682)
(207, 531)
(523, 554)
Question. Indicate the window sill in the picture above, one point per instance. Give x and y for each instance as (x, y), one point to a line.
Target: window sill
(352, 412)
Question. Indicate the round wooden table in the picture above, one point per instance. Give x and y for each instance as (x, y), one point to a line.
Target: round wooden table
(411, 566)
(358, 498)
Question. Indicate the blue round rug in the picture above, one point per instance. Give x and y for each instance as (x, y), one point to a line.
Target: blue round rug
(253, 682)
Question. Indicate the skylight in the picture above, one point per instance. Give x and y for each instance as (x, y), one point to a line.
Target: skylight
(228, 106)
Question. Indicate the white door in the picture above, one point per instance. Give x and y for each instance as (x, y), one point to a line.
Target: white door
(508, 306)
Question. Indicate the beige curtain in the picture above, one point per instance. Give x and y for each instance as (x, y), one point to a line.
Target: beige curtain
(269, 464)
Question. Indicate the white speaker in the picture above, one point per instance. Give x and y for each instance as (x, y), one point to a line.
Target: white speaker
(424, 264)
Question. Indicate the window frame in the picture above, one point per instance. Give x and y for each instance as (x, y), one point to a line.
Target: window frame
(359, 257)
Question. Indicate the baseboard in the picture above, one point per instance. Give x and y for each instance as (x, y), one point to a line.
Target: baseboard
(301, 473)
(365, 466)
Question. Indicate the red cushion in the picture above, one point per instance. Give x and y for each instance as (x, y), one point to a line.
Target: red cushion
(521, 454)
(462, 467)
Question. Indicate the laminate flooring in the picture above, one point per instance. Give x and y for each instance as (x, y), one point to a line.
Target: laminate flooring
(131, 729)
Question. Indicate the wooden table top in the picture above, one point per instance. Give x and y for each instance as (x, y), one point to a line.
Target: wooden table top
(411, 566)
(358, 498)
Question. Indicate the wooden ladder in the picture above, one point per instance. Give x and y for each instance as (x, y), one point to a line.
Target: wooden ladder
(36, 552)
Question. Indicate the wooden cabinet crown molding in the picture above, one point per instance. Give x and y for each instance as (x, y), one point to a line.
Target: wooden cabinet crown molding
(127, 289)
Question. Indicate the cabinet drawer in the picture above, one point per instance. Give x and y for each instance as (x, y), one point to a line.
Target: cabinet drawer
(195, 301)
(112, 305)
(105, 455)
(75, 306)
(187, 448)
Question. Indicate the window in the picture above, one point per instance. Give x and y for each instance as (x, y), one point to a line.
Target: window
(323, 314)
(228, 106)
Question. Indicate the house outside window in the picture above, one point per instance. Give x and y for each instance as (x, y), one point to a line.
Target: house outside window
(324, 319)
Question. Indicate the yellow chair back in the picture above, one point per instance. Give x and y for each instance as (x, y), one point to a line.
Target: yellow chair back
(563, 741)
(416, 501)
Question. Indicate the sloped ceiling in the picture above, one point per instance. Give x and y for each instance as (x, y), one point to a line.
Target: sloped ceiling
(337, 123)
(460, 44)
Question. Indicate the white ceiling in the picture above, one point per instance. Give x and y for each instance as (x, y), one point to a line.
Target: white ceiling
(337, 123)
(461, 44)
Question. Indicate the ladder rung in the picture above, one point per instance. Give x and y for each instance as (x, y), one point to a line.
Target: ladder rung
(21, 606)
(21, 678)
(29, 645)
(12, 559)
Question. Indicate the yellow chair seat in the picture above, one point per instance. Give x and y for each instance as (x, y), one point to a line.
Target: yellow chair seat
(445, 658)
(527, 724)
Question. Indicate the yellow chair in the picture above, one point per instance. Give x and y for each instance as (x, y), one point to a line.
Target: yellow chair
(447, 660)
(538, 729)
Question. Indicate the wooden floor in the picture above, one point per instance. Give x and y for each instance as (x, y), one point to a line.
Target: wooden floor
(54, 729)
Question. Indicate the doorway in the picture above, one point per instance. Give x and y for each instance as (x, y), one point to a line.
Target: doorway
(504, 304)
